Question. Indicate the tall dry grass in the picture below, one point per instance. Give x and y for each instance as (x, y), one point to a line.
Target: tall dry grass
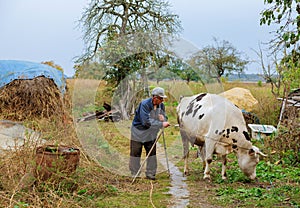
(88, 186)
(91, 184)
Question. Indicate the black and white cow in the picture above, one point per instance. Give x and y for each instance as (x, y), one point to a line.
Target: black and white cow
(217, 126)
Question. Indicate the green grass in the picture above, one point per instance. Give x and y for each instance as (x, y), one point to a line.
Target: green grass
(278, 185)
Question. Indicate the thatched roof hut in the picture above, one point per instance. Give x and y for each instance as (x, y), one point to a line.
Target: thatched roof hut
(30, 90)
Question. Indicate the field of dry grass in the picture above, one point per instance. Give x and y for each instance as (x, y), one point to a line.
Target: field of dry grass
(93, 184)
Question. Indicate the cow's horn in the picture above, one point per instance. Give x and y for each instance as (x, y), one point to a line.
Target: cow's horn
(262, 154)
(257, 150)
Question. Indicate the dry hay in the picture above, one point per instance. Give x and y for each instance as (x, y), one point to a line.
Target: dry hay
(30, 98)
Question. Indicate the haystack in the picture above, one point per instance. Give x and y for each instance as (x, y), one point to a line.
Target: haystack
(30, 90)
(241, 97)
(33, 98)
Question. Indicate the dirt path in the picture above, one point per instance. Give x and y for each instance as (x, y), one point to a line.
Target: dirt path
(178, 188)
(184, 195)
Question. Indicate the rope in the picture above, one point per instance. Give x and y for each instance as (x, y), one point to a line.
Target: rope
(151, 190)
(222, 143)
(227, 144)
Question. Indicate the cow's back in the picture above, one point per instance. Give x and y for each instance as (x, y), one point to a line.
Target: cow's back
(202, 114)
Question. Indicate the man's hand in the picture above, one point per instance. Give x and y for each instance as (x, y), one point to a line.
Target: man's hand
(166, 124)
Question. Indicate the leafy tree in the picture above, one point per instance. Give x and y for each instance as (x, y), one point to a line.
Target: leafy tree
(110, 34)
(291, 75)
(219, 58)
(186, 72)
(175, 68)
(285, 13)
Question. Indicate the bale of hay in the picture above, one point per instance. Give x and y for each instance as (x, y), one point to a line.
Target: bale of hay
(30, 98)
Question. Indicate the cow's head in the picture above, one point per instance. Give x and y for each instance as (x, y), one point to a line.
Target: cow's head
(248, 159)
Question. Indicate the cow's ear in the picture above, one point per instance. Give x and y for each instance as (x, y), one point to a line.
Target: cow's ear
(251, 152)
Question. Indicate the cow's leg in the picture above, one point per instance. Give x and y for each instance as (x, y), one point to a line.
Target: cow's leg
(185, 143)
(209, 150)
(224, 162)
(201, 151)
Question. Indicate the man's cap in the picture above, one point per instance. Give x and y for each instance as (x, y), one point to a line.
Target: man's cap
(158, 91)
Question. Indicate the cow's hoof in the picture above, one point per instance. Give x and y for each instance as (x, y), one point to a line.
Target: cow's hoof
(224, 178)
(186, 174)
(206, 177)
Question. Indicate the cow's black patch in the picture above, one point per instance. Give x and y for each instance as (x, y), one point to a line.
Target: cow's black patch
(196, 109)
(201, 116)
(221, 132)
(199, 97)
(234, 146)
(182, 114)
(247, 135)
(234, 128)
(190, 108)
(216, 132)
(228, 131)
(234, 140)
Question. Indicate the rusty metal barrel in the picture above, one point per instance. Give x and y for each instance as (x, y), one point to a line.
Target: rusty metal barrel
(55, 160)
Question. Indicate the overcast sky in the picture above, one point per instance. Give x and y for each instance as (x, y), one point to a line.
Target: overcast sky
(45, 30)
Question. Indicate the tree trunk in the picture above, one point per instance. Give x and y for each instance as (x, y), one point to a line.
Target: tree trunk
(123, 93)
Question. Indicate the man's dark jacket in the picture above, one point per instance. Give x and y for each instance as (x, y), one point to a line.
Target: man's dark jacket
(145, 124)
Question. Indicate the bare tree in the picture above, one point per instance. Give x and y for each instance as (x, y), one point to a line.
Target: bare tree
(272, 71)
(105, 20)
(110, 28)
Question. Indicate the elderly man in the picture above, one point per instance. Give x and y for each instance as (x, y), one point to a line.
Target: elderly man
(149, 118)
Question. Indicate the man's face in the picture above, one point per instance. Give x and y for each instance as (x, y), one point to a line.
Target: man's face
(157, 100)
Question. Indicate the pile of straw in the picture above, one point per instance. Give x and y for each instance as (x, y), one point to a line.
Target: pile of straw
(30, 98)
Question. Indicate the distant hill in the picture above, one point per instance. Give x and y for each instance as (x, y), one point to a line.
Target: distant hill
(246, 77)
